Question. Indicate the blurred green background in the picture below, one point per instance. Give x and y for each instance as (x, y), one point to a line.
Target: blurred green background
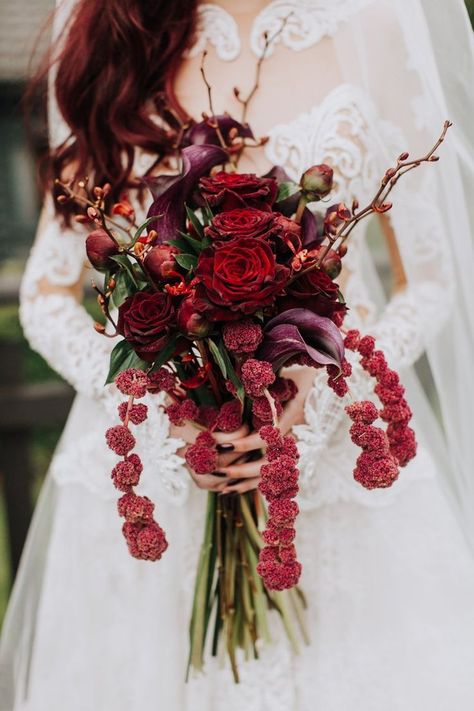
(19, 205)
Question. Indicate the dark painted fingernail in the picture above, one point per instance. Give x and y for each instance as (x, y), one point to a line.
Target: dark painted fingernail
(221, 474)
(225, 447)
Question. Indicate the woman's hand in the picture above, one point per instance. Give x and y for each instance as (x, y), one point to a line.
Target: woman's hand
(232, 475)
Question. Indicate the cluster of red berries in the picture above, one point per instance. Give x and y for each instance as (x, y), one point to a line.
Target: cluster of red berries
(145, 538)
(278, 565)
(383, 452)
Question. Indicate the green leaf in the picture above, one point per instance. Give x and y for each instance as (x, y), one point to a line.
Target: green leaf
(187, 261)
(207, 214)
(122, 357)
(179, 242)
(285, 189)
(125, 286)
(216, 354)
(165, 354)
(125, 263)
(222, 359)
(143, 227)
(195, 244)
(231, 374)
(192, 217)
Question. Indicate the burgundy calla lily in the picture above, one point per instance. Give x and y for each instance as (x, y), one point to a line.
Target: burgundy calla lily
(203, 133)
(301, 332)
(172, 191)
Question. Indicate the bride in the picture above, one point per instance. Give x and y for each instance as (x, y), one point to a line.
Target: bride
(389, 575)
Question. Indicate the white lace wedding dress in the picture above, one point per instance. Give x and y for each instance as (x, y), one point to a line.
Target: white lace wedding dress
(388, 575)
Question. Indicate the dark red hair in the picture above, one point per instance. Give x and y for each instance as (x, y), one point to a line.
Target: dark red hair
(115, 67)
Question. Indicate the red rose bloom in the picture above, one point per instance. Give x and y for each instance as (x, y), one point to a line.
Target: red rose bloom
(145, 320)
(238, 277)
(231, 190)
(316, 291)
(241, 222)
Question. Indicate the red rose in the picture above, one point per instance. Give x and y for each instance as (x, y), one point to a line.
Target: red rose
(231, 190)
(145, 320)
(241, 222)
(238, 277)
(316, 291)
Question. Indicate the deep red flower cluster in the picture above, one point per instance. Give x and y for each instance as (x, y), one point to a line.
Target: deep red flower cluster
(242, 336)
(283, 389)
(256, 376)
(179, 412)
(375, 466)
(277, 563)
(161, 380)
(229, 417)
(337, 377)
(132, 382)
(136, 414)
(383, 452)
(145, 539)
(201, 456)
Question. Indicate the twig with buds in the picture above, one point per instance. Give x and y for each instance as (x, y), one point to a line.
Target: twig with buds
(268, 41)
(212, 117)
(379, 203)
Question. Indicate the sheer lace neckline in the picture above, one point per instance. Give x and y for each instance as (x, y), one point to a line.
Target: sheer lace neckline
(307, 22)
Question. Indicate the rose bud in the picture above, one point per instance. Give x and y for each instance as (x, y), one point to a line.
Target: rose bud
(160, 263)
(100, 247)
(191, 322)
(331, 263)
(316, 182)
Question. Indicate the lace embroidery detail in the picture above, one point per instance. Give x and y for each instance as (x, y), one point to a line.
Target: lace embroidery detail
(308, 22)
(216, 26)
(339, 131)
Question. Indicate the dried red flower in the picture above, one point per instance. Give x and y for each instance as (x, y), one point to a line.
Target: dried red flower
(261, 408)
(161, 379)
(132, 382)
(137, 413)
(125, 475)
(242, 336)
(229, 418)
(375, 470)
(283, 389)
(201, 459)
(120, 439)
(366, 345)
(151, 542)
(364, 411)
(135, 508)
(282, 511)
(352, 339)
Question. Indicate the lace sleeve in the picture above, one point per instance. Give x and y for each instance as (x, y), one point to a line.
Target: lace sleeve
(57, 326)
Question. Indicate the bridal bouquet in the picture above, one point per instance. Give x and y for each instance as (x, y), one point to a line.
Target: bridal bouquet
(231, 279)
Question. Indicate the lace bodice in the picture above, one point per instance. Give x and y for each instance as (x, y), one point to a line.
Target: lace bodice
(346, 129)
